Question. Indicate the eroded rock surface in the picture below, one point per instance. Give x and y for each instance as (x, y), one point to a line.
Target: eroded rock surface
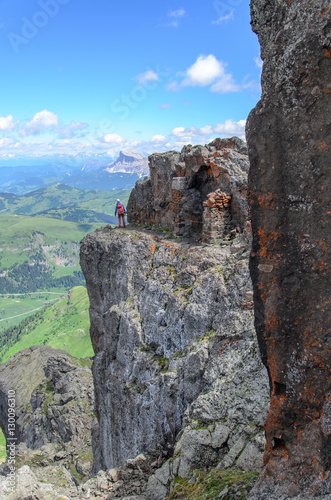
(179, 197)
(172, 329)
(54, 406)
(289, 140)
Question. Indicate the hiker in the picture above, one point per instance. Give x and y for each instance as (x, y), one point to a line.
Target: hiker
(120, 211)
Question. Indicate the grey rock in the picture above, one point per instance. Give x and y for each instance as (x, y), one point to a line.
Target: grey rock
(233, 453)
(163, 474)
(155, 490)
(252, 456)
(28, 487)
(220, 435)
(176, 195)
(166, 353)
(54, 410)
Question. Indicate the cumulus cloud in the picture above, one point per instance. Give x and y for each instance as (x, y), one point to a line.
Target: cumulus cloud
(159, 138)
(7, 123)
(147, 77)
(40, 123)
(178, 131)
(113, 139)
(204, 71)
(230, 127)
(208, 71)
(72, 130)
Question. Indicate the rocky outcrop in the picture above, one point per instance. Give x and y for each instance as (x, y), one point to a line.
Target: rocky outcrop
(289, 140)
(180, 194)
(172, 329)
(54, 406)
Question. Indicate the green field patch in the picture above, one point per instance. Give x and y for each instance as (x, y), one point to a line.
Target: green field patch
(14, 308)
(64, 325)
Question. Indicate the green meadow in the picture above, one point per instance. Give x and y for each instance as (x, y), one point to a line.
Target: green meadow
(64, 325)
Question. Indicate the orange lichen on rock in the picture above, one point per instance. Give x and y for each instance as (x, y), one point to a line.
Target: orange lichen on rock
(290, 260)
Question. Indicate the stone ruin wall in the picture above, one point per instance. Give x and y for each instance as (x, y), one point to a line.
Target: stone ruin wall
(199, 193)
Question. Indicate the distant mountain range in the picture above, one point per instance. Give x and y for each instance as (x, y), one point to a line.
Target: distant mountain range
(61, 201)
(99, 172)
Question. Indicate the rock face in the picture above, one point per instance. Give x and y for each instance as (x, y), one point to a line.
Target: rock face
(172, 329)
(185, 190)
(289, 139)
(54, 405)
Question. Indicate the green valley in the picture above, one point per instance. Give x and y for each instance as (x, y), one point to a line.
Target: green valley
(62, 325)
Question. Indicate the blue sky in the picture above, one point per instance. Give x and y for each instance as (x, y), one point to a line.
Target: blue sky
(96, 77)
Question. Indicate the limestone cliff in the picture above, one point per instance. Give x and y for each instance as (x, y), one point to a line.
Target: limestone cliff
(289, 139)
(176, 359)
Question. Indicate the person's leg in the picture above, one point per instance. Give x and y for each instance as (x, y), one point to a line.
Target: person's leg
(119, 220)
(123, 220)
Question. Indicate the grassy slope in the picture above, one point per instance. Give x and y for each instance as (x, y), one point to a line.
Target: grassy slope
(40, 254)
(64, 325)
(14, 308)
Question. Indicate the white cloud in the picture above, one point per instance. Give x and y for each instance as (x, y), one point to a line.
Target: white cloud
(230, 127)
(178, 131)
(225, 17)
(204, 71)
(159, 138)
(208, 71)
(113, 139)
(5, 142)
(148, 76)
(40, 123)
(226, 84)
(7, 123)
(72, 129)
(208, 132)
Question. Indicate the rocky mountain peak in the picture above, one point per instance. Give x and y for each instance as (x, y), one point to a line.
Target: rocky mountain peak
(129, 161)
